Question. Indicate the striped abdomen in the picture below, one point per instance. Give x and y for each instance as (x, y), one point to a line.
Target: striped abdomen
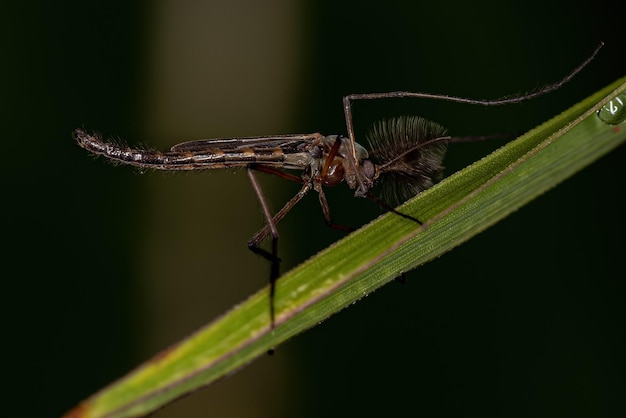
(202, 154)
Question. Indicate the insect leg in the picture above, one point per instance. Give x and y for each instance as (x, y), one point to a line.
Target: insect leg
(270, 229)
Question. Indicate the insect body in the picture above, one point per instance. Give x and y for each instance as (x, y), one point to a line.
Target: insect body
(406, 157)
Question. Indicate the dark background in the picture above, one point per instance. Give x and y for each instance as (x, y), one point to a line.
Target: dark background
(105, 267)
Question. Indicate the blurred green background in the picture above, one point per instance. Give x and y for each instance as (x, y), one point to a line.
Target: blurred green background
(105, 267)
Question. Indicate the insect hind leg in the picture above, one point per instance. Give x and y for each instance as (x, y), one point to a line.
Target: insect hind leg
(270, 229)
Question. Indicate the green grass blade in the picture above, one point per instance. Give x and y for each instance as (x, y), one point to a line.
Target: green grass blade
(458, 208)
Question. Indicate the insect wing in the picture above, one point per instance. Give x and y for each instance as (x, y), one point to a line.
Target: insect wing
(291, 143)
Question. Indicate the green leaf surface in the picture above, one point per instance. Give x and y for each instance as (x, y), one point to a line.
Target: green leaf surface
(454, 210)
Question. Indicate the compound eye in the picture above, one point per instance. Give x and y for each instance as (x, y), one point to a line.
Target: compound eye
(335, 174)
(369, 169)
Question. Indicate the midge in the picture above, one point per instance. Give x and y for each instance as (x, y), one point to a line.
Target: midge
(405, 156)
